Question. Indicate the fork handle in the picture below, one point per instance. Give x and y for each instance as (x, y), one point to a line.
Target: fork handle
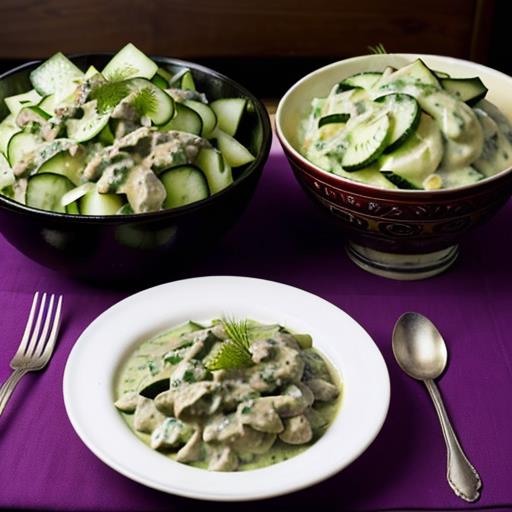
(8, 387)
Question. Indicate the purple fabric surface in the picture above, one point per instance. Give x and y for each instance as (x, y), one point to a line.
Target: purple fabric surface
(282, 237)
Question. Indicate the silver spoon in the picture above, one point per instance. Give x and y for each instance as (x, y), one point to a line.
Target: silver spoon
(421, 352)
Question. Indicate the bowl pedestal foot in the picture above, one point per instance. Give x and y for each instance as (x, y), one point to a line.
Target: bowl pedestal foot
(403, 267)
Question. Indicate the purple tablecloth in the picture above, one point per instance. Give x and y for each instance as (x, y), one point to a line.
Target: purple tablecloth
(282, 237)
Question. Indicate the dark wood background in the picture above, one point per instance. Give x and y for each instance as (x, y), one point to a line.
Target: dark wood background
(265, 44)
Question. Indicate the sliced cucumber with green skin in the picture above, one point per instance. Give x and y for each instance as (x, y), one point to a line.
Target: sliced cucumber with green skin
(20, 145)
(94, 203)
(26, 99)
(45, 191)
(229, 112)
(365, 143)
(235, 153)
(416, 74)
(207, 114)
(65, 165)
(185, 120)
(166, 75)
(399, 181)
(162, 105)
(469, 90)
(91, 71)
(187, 81)
(215, 168)
(460, 177)
(418, 157)
(160, 82)
(28, 115)
(129, 62)
(333, 118)
(8, 128)
(57, 75)
(405, 116)
(184, 185)
(48, 104)
(365, 80)
(89, 125)
(73, 208)
(369, 175)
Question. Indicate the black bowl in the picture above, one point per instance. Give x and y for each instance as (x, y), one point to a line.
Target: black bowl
(139, 247)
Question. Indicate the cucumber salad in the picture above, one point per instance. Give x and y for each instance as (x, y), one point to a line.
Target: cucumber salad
(408, 128)
(131, 138)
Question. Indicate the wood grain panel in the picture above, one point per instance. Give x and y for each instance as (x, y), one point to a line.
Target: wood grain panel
(230, 28)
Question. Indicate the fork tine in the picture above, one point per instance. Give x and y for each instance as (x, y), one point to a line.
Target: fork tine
(38, 350)
(26, 334)
(35, 333)
(48, 349)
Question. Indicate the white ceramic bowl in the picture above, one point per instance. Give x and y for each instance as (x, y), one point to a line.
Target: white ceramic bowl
(95, 360)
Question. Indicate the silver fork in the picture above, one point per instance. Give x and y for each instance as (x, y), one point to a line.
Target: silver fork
(36, 346)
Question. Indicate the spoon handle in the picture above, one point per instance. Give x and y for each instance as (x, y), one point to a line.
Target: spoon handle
(461, 475)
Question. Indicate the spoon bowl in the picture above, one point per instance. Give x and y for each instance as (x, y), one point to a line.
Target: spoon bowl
(418, 347)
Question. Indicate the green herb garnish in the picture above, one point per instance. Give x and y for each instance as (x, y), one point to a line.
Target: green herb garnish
(378, 49)
(109, 95)
(234, 352)
(145, 102)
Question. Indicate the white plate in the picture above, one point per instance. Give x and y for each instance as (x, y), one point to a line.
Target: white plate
(92, 365)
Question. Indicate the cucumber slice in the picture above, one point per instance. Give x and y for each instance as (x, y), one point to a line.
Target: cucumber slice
(48, 104)
(156, 104)
(21, 144)
(418, 157)
(405, 117)
(65, 165)
(76, 193)
(73, 209)
(45, 191)
(16, 103)
(129, 62)
(333, 118)
(207, 114)
(366, 142)
(29, 115)
(369, 175)
(215, 168)
(8, 128)
(185, 120)
(440, 74)
(235, 153)
(163, 73)
(229, 112)
(469, 90)
(57, 75)
(87, 127)
(460, 177)
(184, 185)
(91, 71)
(160, 82)
(187, 81)
(94, 203)
(365, 80)
(6, 175)
(399, 181)
(126, 209)
(414, 75)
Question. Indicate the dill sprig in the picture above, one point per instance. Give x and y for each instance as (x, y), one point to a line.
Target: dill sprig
(109, 95)
(234, 352)
(145, 102)
(378, 49)
(122, 74)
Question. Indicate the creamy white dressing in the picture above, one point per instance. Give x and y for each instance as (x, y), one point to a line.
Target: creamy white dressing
(451, 136)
